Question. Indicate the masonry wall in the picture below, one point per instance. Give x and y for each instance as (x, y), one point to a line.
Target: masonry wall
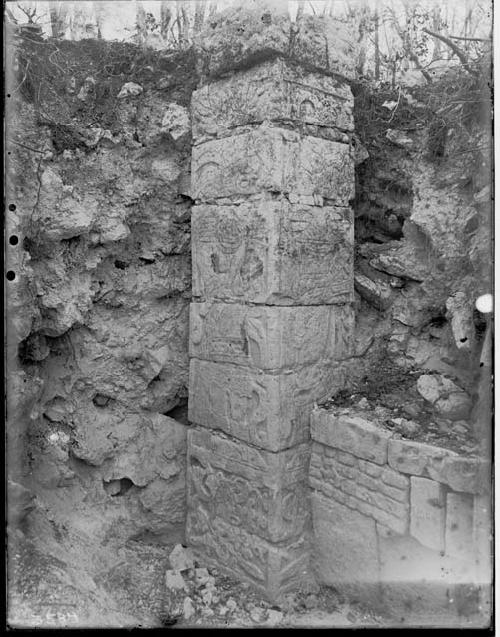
(401, 524)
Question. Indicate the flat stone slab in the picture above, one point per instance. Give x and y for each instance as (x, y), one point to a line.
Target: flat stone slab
(273, 252)
(270, 337)
(345, 544)
(470, 475)
(417, 458)
(378, 492)
(263, 492)
(428, 511)
(270, 159)
(354, 434)
(270, 411)
(274, 91)
(459, 525)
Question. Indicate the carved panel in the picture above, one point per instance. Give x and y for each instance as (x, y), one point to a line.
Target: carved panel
(273, 160)
(270, 411)
(273, 91)
(269, 337)
(273, 252)
(273, 569)
(263, 492)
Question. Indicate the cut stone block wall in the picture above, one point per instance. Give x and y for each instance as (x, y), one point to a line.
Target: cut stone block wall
(400, 523)
(271, 320)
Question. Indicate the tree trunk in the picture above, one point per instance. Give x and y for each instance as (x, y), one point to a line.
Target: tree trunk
(300, 11)
(377, 46)
(165, 19)
(199, 15)
(141, 23)
(436, 26)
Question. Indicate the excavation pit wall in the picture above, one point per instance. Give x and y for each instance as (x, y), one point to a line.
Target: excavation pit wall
(401, 525)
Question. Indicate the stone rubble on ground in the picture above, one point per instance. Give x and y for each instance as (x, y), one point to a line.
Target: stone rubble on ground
(129, 89)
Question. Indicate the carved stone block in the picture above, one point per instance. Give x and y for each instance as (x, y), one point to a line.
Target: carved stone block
(274, 91)
(273, 252)
(270, 411)
(274, 569)
(263, 492)
(270, 159)
(270, 337)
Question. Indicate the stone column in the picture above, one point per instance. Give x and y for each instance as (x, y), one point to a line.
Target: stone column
(271, 318)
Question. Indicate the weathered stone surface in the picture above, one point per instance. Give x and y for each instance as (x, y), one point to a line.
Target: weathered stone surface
(355, 486)
(377, 293)
(255, 30)
(345, 546)
(273, 252)
(270, 337)
(271, 411)
(265, 493)
(447, 398)
(482, 537)
(471, 475)
(176, 121)
(354, 434)
(274, 91)
(418, 458)
(458, 530)
(274, 160)
(274, 569)
(427, 514)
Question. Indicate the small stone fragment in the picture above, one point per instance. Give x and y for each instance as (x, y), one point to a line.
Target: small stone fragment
(174, 580)
(129, 89)
(189, 609)
(398, 138)
(176, 121)
(363, 403)
(274, 617)
(181, 558)
(231, 605)
(201, 577)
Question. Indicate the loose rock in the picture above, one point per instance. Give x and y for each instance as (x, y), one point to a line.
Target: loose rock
(181, 558)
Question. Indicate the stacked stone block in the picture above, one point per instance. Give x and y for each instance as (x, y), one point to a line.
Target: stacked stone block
(271, 318)
(405, 524)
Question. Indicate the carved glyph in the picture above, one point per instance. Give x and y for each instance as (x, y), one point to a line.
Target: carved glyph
(273, 252)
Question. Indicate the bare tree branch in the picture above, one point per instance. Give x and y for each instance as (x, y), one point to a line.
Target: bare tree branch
(457, 50)
(457, 37)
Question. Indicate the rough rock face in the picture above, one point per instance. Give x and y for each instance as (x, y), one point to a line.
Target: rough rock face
(422, 249)
(257, 30)
(99, 309)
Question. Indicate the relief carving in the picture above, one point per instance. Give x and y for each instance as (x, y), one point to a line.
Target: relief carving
(275, 91)
(290, 254)
(269, 159)
(271, 411)
(273, 513)
(270, 337)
